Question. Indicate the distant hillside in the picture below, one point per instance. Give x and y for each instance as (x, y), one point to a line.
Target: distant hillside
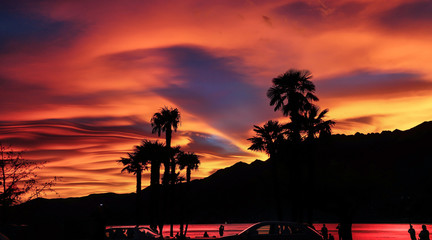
(386, 176)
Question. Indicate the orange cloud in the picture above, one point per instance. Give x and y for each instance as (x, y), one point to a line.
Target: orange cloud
(81, 80)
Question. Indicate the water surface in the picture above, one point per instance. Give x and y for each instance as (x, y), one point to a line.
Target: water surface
(360, 231)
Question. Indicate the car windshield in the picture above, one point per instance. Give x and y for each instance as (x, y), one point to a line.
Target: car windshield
(247, 229)
(314, 230)
(276, 228)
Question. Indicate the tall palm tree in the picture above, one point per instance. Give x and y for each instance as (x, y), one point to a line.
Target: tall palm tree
(190, 161)
(167, 120)
(293, 93)
(134, 164)
(268, 138)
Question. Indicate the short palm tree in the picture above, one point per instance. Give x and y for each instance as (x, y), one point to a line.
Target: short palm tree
(152, 153)
(268, 138)
(314, 124)
(135, 165)
(190, 161)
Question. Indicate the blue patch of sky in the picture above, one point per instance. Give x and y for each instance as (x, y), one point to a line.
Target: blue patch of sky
(20, 27)
(214, 88)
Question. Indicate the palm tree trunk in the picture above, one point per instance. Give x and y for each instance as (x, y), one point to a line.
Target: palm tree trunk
(186, 228)
(312, 153)
(155, 173)
(296, 177)
(188, 175)
(155, 192)
(186, 199)
(167, 161)
(170, 179)
(138, 195)
(168, 135)
(181, 206)
(276, 188)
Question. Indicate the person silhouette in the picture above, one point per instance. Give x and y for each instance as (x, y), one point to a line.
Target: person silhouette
(206, 234)
(331, 237)
(324, 231)
(338, 227)
(411, 232)
(424, 234)
(221, 230)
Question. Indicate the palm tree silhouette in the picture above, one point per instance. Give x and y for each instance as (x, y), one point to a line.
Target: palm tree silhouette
(190, 161)
(314, 127)
(314, 124)
(167, 120)
(293, 93)
(268, 138)
(134, 164)
(152, 152)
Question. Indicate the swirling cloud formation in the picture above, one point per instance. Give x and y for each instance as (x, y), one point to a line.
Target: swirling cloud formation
(81, 80)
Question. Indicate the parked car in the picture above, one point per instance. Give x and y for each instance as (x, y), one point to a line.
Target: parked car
(129, 232)
(277, 230)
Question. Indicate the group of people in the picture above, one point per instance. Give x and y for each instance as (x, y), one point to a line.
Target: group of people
(423, 235)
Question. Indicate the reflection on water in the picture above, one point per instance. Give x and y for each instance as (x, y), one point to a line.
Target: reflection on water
(376, 231)
(360, 231)
(197, 230)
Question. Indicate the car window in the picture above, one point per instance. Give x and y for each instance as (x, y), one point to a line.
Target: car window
(275, 229)
(297, 229)
(263, 230)
(285, 230)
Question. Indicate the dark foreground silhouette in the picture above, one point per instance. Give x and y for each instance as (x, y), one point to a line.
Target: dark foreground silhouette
(373, 177)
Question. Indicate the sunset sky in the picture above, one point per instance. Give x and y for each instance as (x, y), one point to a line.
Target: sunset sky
(80, 80)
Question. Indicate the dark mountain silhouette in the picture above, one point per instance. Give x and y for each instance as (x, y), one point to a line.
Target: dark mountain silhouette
(379, 177)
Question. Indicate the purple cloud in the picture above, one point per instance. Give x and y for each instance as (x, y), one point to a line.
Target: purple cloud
(368, 83)
(212, 144)
(318, 14)
(211, 86)
(410, 14)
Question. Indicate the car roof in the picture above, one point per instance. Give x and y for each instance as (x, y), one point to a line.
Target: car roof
(275, 222)
(278, 222)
